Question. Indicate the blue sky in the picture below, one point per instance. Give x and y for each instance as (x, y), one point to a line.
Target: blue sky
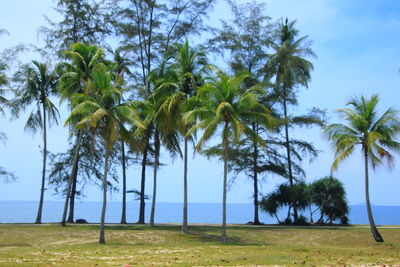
(357, 44)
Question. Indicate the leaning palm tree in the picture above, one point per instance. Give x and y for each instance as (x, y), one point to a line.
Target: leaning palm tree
(376, 135)
(104, 113)
(38, 83)
(189, 65)
(76, 78)
(290, 68)
(221, 104)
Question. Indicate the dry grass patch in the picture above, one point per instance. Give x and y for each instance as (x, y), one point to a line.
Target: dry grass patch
(165, 246)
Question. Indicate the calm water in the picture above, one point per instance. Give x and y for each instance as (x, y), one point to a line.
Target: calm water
(25, 212)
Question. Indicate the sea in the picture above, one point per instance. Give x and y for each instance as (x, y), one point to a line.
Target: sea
(199, 213)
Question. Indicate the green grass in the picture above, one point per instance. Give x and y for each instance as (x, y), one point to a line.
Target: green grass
(47, 245)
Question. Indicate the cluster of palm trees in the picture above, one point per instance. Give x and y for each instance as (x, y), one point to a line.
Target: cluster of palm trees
(183, 96)
(181, 101)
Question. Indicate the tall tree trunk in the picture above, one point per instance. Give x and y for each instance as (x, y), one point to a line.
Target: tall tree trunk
(39, 214)
(73, 194)
(102, 239)
(374, 230)
(123, 159)
(71, 177)
(143, 182)
(185, 200)
(225, 182)
(255, 177)
(156, 164)
(289, 159)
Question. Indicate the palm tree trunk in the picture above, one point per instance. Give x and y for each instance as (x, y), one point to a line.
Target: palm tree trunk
(123, 159)
(39, 214)
(255, 178)
(226, 151)
(102, 239)
(71, 177)
(156, 164)
(289, 159)
(374, 230)
(185, 202)
(73, 194)
(142, 183)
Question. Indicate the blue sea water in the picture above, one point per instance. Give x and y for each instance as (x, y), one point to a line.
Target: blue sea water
(25, 212)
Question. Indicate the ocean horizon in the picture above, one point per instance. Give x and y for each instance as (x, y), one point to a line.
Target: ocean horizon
(239, 213)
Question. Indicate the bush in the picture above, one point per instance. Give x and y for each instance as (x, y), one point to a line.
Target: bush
(282, 197)
(329, 196)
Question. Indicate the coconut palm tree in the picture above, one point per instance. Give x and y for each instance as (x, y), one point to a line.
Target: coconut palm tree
(76, 78)
(163, 131)
(290, 68)
(38, 83)
(159, 129)
(120, 67)
(77, 74)
(221, 104)
(104, 113)
(375, 134)
(188, 65)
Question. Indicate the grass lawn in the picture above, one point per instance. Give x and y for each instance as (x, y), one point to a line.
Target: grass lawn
(47, 245)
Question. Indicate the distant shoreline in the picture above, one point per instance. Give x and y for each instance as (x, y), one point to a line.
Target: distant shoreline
(233, 225)
(199, 213)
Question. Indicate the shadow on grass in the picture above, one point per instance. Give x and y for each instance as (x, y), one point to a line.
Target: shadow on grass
(203, 234)
(213, 236)
(237, 235)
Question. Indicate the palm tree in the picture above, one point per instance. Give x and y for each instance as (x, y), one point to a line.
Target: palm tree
(163, 130)
(376, 135)
(120, 67)
(290, 69)
(77, 74)
(38, 83)
(76, 79)
(138, 140)
(222, 104)
(106, 114)
(188, 65)
(158, 128)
